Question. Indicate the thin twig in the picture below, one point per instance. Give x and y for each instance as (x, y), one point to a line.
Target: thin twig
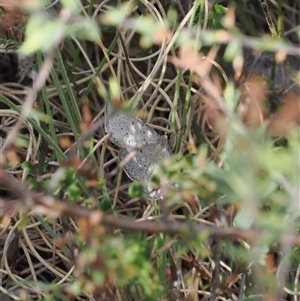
(127, 60)
(47, 204)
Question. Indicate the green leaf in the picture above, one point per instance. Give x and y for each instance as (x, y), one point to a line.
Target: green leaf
(26, 165)
(72, 5)
(116, 16)
(23, 220)
(216, 16)
(1, 13)
(220, 9)
(87, 29)
(172, 16)
(42, 34)
(21, 142)
(34, 5)
(230, 95)
(114, 89)
(74, 192)
(260, 253)
(135, 190)
(244, 218)
(106, 204)
(233, 50)
(37, 115)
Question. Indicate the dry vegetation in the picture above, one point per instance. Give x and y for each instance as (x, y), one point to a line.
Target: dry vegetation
(72, 224)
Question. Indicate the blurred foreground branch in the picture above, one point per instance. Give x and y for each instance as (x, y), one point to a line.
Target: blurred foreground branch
(46, 204)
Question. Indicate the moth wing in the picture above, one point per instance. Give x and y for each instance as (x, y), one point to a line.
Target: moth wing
(128, 131)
